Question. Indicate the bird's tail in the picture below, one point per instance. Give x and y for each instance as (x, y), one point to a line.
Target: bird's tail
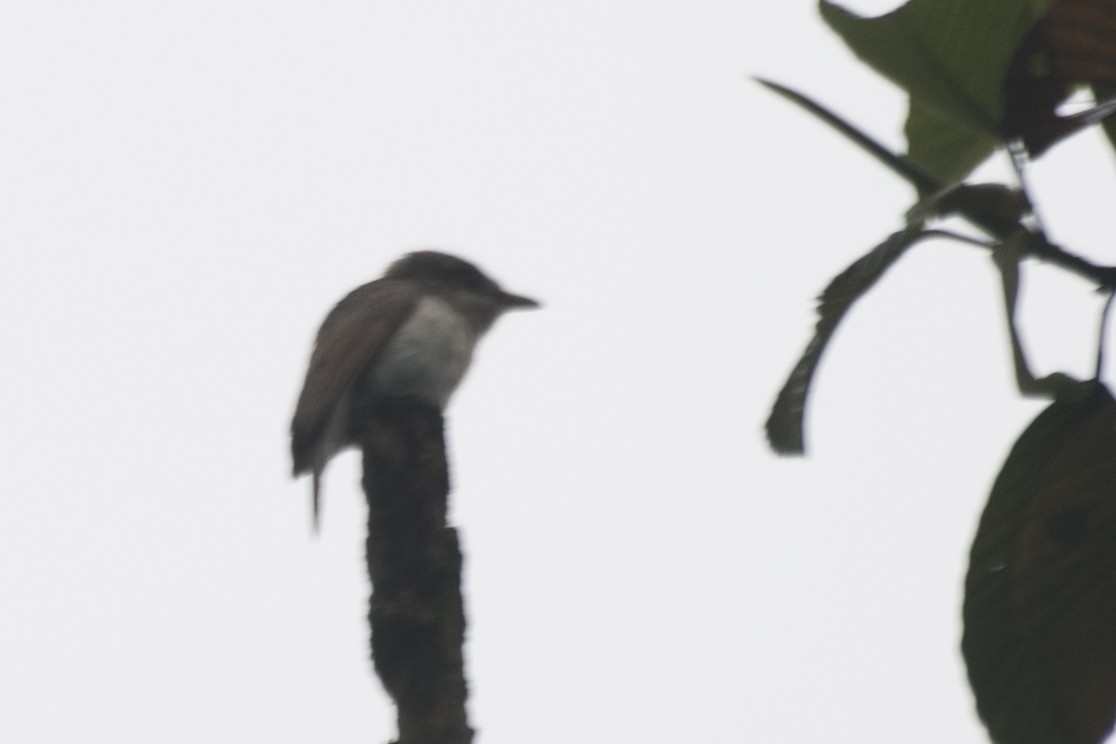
(317, 498)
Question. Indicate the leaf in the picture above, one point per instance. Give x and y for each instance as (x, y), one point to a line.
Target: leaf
(1073, 44)
(992, 201)
(951, 57)
(785, 424)
(993, 216)
(924, 182)
(950, 150)
(1040, 595)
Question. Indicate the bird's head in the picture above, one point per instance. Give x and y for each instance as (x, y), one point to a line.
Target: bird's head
(450, 273)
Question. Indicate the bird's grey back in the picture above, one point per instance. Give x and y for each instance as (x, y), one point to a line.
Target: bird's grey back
(350, 338)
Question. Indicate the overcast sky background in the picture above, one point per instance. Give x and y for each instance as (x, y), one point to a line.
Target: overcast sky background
(187, 188)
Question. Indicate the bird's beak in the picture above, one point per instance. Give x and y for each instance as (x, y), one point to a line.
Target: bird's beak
(512, 302)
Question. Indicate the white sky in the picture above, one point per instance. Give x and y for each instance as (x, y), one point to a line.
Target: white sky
(186, 188)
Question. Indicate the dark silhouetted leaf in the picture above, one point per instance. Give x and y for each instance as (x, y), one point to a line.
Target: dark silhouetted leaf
(785, 424)
(999, 217)
(992, 201)
(1073, 44)
(1040, 595)
(924, 182)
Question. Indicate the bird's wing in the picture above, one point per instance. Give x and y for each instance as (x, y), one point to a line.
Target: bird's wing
(348, 341)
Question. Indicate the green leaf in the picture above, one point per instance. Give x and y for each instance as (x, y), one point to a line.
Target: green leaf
(942, 145)
(1040, 595)
(951, 57)
(785, 424)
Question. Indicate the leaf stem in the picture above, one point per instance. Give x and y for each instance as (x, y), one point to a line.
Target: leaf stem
(926, 184)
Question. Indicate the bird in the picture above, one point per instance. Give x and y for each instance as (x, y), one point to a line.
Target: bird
(410, 333)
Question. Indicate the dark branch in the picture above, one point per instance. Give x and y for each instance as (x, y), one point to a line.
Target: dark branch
(414, 561)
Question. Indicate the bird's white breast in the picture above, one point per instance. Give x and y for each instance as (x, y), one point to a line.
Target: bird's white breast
(427, 356)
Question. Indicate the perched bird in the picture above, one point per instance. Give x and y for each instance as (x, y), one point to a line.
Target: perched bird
(410, 333)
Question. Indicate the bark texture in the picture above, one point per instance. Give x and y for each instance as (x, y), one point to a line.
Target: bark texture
(416, 613)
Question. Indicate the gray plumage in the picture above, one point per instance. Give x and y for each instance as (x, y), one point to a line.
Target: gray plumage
(410, 333)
